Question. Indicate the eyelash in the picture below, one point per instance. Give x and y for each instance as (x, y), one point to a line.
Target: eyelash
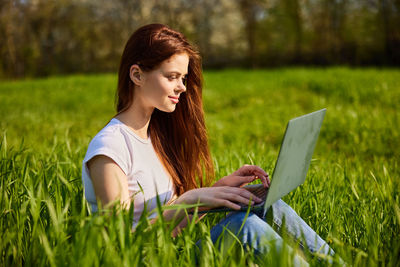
(173, 77)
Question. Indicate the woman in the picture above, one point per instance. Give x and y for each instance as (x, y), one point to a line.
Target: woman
(157, 144)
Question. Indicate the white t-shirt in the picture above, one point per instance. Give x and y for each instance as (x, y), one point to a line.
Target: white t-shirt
(137, 159)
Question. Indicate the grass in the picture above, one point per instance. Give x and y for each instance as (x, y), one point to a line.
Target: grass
(350, 197)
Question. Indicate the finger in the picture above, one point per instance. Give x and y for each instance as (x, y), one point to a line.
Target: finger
(227, 203)
(243, 180)
(238, 198)
(242, 192)
(264, 179)
(261, 173)
(250, 195)
(251, 169)
(242, 171)
(238, 181)
(259, 170)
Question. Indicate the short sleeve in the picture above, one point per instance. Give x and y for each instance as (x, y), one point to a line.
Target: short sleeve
(113, 145)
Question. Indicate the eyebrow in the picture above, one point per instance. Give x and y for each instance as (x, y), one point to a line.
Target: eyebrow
(176, 72)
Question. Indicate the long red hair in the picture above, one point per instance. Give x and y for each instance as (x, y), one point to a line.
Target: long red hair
(180, 137)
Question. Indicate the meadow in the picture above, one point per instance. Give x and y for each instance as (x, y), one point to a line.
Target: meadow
(350, 197)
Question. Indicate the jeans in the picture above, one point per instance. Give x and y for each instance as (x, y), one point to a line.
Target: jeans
(257, 234)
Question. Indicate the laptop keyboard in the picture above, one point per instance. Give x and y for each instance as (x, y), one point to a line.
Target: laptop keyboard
(259, 191)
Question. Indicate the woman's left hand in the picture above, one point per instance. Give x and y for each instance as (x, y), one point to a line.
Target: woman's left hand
(244, 175)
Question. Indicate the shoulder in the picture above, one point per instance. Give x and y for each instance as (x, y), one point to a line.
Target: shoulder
(112, 142)
(109, 136)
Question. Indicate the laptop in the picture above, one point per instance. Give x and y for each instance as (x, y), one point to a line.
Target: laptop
(292, 164)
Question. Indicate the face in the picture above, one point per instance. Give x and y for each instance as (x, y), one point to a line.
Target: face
(161, 87)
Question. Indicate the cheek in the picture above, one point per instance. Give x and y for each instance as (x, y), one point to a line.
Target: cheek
(159, 88)
(162, 87)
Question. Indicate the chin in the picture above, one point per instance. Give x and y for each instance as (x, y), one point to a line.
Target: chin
(168, 109)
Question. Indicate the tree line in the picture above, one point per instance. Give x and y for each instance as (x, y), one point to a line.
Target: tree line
(43, 37)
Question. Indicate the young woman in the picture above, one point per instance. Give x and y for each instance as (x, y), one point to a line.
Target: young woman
(157, 144)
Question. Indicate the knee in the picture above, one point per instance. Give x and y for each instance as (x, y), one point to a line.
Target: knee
(282, 207)
(282, 211)
(239, 222)
(251, 229)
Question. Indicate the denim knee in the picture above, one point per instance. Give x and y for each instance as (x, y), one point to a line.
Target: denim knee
(249, 229)
(252, 232)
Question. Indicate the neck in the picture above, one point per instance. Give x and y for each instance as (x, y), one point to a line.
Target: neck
(137, 117)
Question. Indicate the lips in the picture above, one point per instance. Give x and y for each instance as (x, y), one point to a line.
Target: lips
(174, 99)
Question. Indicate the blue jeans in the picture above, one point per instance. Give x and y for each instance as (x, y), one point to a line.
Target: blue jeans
(257, 234)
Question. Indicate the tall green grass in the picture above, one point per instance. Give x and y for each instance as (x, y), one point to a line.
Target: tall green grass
(350, 197)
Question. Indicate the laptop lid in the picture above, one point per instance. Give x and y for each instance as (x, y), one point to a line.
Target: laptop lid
(295, 155)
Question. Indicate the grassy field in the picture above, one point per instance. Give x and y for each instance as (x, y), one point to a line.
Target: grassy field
(351, 195)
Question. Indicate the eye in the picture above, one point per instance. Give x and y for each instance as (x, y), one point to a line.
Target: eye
(172, 77)
(184, 80)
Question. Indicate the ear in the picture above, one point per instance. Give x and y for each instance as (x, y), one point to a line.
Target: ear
(135, 73)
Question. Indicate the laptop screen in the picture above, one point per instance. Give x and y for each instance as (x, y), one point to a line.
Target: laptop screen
(295, 155)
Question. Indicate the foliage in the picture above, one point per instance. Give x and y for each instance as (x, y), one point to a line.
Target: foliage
(44, 37)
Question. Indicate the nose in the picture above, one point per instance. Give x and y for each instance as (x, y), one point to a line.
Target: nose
(181, 86)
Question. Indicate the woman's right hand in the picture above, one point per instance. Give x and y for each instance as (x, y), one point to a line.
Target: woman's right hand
(222, 196)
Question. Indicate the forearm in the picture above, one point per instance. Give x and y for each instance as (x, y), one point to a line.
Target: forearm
(186, 220)
(206, 197)
(180, 215)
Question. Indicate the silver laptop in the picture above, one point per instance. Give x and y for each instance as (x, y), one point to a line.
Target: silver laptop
(292, 164)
